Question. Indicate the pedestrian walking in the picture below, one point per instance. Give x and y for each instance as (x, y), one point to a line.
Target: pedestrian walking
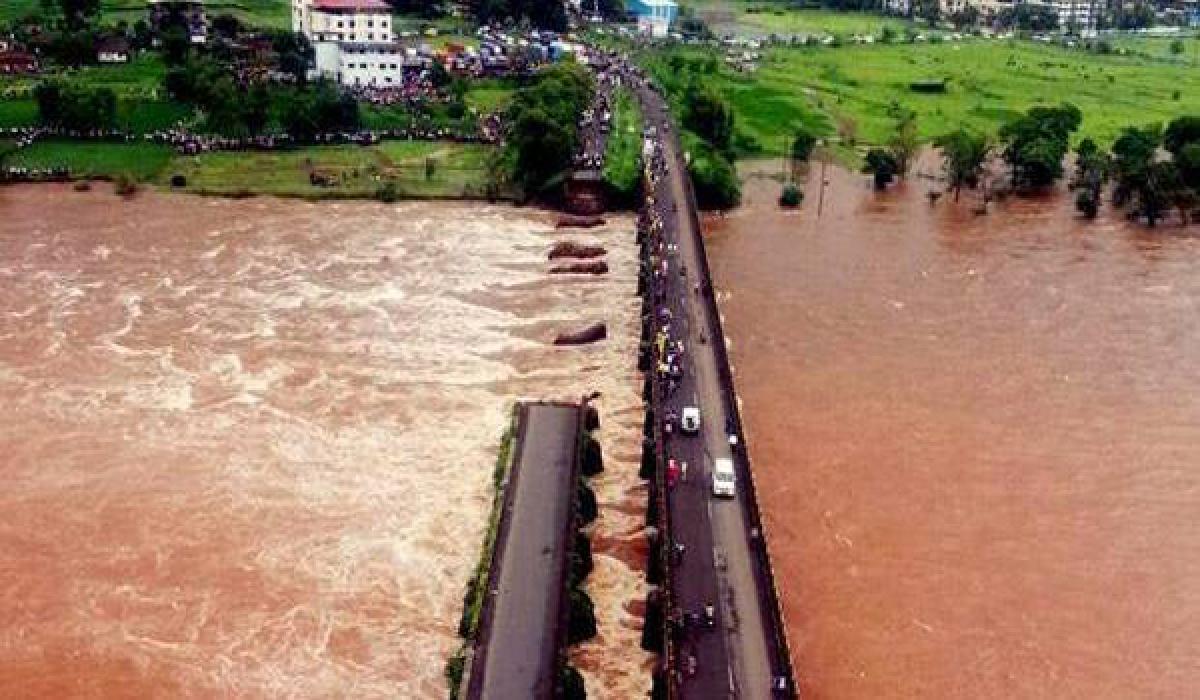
(683, 472)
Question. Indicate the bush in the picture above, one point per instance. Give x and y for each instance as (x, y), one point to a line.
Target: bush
(791, 196)
(928, 86)
(581, 559)
(178, 180)
(125, 185)
(713, 177)
(572, 684)
(582, 625)
(387, 193)
(455, 666)
(1086, 203)
(593, 457)
(588, 510)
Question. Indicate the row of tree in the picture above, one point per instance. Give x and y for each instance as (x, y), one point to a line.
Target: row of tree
(1151, 169)
(72, 106)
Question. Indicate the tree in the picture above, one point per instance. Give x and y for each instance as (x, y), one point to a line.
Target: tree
(296, 54)
(1188, 163)
(321, 109)
(803, 144)
(76, 14)
(226, 25)
(1154, 191)
(1092, 168)
(928, 10)
(176, 45)
(966, 17)
(1180, 132)
(1177, 47)
(543, 118)
(791, 196)
(710, 116)
(882, 164)
(903, 144)
(964, 155)
(75, 107)
(1133, 152)
(1036, 143)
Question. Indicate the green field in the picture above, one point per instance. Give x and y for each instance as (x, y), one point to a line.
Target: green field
(857, 92)
(259, 13)
(746, 18)
(17, 113)
(460, 170)
(94, 158)
(490, 94)
(1160, 48)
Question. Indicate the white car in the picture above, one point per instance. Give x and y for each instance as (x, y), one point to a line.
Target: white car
(690, 423)
(723, 481)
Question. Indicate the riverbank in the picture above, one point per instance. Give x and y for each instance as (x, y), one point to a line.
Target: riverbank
(389, 169)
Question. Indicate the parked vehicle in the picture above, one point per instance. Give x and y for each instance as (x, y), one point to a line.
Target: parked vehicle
(691, 420)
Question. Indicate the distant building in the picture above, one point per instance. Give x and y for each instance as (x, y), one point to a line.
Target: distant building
(113, 49)
(654, 17)
(186, 13)
(353, 40)
(1073, 14)
(16, 62)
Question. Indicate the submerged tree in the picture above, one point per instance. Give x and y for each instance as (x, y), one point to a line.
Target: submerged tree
(964, 155)
(882, 165)
(1036, 143)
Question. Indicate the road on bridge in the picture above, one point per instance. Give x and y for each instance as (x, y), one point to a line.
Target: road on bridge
(715, 563)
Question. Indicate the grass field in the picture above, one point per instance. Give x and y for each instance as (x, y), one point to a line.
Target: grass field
(490, 94)
(93, 158)
(857, 92)
(259, 13)
(459, 170)
(17, 113)
(753, 18)
(1160, 48)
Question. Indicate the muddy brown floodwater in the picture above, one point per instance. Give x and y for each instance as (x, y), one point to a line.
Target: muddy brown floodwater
(247, 445)
(977, 441)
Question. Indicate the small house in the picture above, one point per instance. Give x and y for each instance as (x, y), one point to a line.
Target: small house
(16, 62)
(113, 49)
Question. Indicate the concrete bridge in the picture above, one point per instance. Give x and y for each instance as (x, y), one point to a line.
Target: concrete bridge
(521, 641)
(714, 550)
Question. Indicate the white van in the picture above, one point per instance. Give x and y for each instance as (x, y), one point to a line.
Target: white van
(723, 482)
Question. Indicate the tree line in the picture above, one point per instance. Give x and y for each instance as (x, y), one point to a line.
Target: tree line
(1150, 170)
(543, 127)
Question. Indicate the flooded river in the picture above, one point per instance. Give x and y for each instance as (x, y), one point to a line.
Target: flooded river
(247, 445)
(977, 440)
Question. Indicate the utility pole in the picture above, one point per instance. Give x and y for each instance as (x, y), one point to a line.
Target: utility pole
(821, 195)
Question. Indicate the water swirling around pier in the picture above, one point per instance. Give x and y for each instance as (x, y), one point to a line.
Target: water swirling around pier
(247, 445)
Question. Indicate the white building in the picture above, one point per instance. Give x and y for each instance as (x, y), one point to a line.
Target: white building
(654, 17)
(353, 40)
(1073, 14)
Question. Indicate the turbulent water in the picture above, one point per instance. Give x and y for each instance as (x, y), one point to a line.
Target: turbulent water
(247, 445)
(977, 440)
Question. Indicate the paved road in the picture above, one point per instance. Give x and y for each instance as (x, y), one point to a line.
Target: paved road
(519, 643)
(735, 659)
